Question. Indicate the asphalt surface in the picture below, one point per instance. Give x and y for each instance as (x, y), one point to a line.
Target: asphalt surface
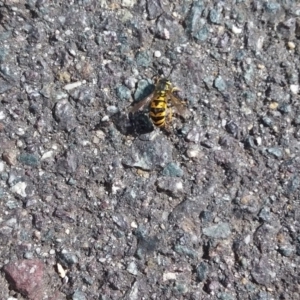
(98, 203)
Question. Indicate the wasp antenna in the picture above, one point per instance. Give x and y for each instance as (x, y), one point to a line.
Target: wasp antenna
(171, 71)
(150, 67)
(154, 73)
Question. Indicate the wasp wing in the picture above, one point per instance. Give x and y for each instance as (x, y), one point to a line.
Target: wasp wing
(180, 107)
(141, 104)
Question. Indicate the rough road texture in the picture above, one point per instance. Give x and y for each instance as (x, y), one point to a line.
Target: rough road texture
(110, 207)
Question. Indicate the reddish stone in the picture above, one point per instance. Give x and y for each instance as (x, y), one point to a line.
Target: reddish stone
(26, 277)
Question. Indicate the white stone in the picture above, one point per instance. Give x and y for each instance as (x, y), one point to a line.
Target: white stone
(48, 154)
(132, 268)
(169, 276)
(72, 85)
(179, 186)
(247, 239)
(259, 140)
(157, 54)
(2, 115)
(19, 188)
(294, 88)
(61, 271)
(134, 224)
(291, 45)
(236, 30)
(128, 3)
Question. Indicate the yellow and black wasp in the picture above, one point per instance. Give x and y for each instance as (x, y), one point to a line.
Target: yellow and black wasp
(159, 109)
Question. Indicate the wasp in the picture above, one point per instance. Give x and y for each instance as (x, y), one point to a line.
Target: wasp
(159, 108)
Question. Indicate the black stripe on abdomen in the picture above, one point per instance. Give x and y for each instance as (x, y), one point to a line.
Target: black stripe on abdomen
(158, 121)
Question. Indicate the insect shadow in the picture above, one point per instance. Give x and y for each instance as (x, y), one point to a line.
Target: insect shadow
(134, 124)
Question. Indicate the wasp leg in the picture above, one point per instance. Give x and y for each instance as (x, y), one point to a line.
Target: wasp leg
(170, 115)
(168, 119)
(175, 89)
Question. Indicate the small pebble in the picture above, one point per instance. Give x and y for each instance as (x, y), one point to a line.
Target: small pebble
(37, 235)
(202, 271)
(105, 118)
(28, 159)
(10, 157)
(112, 109)
(128, 3)
(172, 170)
(48, 154)
(78, 295)
(20, 144)
(236, 30)
(172, 185)
(291, 45)
(294, 88)
(11, 204)
(247, 239)
(100, 134)
(267, 121)
(123, 92)
(286, 250)
(169, 276)
(130, 82)
(19, 188)
(133, 224)
(261, 66)
(60, 270)
(157, 54)
(219, 231)
(2, 166)
(275, 151)
(273, 105)
(72, 86)
(95, 140)
(2, 115)
(132, 268)
(214, 16)
(72, 52)
(166, 34)
(193, 151)
(220, 84)
(259, 141)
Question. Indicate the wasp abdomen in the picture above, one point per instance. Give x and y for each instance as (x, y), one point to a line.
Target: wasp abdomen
(158, 109)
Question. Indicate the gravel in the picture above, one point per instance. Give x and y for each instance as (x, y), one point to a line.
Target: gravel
(97, 203)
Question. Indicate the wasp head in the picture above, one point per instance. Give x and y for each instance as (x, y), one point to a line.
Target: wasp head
(163, 84)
